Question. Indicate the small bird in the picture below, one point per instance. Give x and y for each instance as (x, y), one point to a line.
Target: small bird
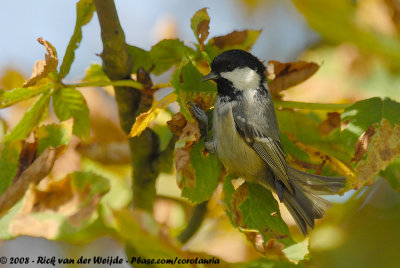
(246, 138)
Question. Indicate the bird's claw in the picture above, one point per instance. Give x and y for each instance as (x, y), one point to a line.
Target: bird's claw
(198, 113)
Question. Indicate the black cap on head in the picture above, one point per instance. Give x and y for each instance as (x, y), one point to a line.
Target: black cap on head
(236, 58)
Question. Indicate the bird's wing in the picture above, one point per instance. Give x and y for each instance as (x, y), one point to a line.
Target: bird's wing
(262, 134)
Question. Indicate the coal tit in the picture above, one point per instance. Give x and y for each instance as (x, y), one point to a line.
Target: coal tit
(246, 138)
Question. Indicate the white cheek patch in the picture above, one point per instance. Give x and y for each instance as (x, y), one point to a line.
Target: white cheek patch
(243, 78)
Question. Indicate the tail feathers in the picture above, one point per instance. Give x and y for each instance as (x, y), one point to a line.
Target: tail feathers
(321, 185)
(305, 205)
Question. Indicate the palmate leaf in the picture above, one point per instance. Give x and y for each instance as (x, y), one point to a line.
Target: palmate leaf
(204, 179)
(31, 119)
(52, 135)
(84, 13)
(235, 40)
(95, 73)
(252, 207)
(58, 216)
(9, 160)
(371, 135)
(144, 119)
(363, 114)
(200, 24)
(167, 53)
(186, 81)
(10, 97)
(141, 58)
(69, 102)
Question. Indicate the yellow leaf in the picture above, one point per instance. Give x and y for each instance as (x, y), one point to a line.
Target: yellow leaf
(144, 119)
(383, 148)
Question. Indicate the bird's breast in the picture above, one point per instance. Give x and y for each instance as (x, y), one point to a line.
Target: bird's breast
(232, 150)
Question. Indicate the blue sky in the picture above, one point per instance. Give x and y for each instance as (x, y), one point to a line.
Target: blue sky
(284, 36)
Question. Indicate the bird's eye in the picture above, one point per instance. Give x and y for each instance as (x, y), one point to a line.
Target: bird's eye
(230, 67)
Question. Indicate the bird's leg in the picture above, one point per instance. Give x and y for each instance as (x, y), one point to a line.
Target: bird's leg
(202, 118)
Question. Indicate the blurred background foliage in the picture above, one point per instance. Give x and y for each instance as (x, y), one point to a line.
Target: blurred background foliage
(356, 44)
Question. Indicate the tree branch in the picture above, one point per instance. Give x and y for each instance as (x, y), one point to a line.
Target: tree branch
(117, 65)
(194, 223)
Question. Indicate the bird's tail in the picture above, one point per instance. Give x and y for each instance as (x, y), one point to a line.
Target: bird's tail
(305, 205)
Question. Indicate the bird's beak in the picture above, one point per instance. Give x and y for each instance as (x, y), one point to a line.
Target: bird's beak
(210, 76)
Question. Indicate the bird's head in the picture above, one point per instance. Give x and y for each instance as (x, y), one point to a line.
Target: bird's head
(236, 70)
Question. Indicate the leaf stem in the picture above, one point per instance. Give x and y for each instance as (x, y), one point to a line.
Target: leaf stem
(194, 223)
(120, 83)
(311, 105)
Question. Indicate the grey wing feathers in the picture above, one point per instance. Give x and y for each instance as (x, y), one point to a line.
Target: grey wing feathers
(265, 142)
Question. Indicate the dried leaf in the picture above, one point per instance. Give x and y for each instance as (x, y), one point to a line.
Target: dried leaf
(338, 165)
(190, 134)
(289, 74)
(236, 39)
(43, 68)
(383, 148)
(71, 201)
(177, 123)
(238, 198)
(111, 153)
(40, 168)
(27, 157)
(330, 123)
(144, 119)
(362, 143)
(200, 24)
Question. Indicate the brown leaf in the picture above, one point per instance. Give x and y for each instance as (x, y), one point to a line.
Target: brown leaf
(190, 135)
(203, 31)
(231, 39)
(236, 39)
(111, 153)
(362, 143)
(330, 123)
(43, 68)
(40, 168)
(271, 249)
(306, 165)
(59, 197)
(27, 156)
(289, 74)
(383, 148)
(238, 197)
(341, 167)
(177, 123)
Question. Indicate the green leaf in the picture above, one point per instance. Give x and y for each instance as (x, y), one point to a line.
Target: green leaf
(200, 24)
(95, 73)
(53, 135)
(167, 53)
(392, 174)
(10, 97)
(141, 59)
(363, 114)
(31, 119)
(142, 242)
(267, 263)
(96, 184)
(84, 13)
(69, 102)
(186, 81)
(9, 160)
(252, 206)
(207, 171)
